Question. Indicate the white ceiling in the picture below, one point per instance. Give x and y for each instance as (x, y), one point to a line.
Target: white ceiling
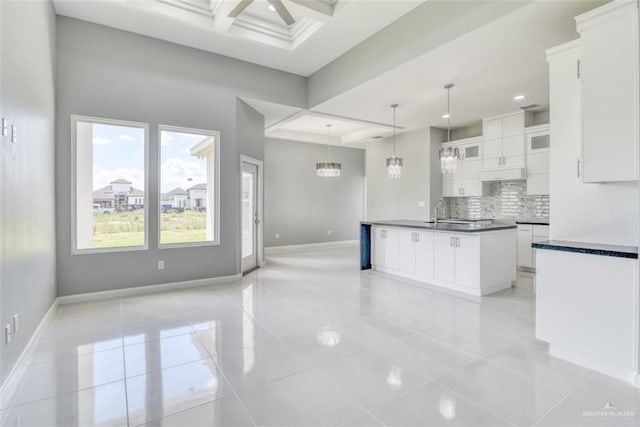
(489, 66)
(310, 126)
(258, 35)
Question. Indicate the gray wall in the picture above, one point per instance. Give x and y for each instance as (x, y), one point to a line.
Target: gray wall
(398, 198)
(303, 207)
(109, 73)
(27, 233)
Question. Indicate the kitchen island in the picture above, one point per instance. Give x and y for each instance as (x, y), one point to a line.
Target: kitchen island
(477, 258)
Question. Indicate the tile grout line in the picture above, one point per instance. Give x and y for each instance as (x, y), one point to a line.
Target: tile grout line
(474, 403)
(562, 399)
(124, 365)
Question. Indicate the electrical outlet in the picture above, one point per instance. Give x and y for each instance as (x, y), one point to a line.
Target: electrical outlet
(421, 204)
(16, 323)
(5, 128)
(161, 264)
(277, 235)
(7, 333)
(328, 232)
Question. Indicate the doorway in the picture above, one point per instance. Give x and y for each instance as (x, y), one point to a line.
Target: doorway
(251, 213)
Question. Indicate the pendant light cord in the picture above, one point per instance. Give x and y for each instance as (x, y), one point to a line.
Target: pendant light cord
(394, 106)
(448, 114)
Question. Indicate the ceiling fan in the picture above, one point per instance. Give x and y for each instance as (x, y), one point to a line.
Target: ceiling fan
(277, 5)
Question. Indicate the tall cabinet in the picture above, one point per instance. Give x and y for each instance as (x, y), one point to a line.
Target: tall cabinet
(609, 74)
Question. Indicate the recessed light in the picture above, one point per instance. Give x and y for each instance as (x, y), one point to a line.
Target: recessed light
(271, 8)
(518, 97)
(446, 115)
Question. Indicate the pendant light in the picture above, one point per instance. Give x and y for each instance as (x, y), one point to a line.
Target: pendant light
(328, 169)
(394, 163)
(449, 156)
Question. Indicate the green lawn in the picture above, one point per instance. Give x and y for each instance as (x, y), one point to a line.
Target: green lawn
(123, 229)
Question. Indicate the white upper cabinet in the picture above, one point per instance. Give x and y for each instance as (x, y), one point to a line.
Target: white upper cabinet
(503, 144)
(610, 95)
(465, 182)
(538, 143)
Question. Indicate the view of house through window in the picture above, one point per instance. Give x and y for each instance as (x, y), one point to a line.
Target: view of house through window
(187, 183)
(109, 184)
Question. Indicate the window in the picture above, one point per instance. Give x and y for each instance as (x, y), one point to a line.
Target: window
(109, 184)
(188, 186)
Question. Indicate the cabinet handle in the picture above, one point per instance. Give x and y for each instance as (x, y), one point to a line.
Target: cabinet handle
(504, 161)
(458, 241)
(451, 241)
(578, 168)
(417, 237)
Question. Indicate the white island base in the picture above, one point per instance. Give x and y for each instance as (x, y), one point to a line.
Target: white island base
(474, 263)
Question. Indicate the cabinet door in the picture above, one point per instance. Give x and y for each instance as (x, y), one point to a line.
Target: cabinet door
(467, 260)
(424, 254)
(491, 153)
(407, 251)
(525, 254)
(513, 125)
(538, 162)
(609, 71)
(513, 149)
(471, 169)
(450, 186)
(379, 247)
(391, 247)
(492, 128)
(472, 187)
(444, 257)
(537, 184)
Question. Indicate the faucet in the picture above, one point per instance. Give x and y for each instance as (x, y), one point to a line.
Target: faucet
(439, 204)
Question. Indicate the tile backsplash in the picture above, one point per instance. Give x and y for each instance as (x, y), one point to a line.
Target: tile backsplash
(503, 200)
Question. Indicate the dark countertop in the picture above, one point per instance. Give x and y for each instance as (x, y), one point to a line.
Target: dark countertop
(462, 228)
(588, 248)
(533, 221)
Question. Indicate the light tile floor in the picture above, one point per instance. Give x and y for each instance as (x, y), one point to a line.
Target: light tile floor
(307, 340)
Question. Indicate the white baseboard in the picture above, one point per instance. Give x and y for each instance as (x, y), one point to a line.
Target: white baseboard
(309, 246)
(597, 365)
(29, 350)
(142, 290)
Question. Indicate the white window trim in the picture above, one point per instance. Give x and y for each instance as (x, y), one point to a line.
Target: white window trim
(216, 211)
(74, 230)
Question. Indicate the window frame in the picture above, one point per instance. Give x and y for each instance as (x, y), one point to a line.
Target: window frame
(216, 211)
(74, 172)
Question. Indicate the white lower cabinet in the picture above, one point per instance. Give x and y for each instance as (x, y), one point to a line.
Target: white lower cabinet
(587, 309)
(385, 248)
(445, 258)
(467, 251)
(458, 259)
(424, 254)
(474, 263)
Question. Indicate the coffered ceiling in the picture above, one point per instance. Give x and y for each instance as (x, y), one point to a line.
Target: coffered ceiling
(323, 29)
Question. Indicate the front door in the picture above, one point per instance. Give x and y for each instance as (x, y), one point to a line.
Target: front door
(250, 218)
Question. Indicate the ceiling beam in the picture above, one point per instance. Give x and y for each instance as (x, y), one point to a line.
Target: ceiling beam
(316, 5)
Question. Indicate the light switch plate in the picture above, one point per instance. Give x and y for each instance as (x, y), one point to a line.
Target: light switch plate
(161, 265)
(5, 128)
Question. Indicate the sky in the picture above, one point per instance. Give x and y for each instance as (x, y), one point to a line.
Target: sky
(118, 152)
